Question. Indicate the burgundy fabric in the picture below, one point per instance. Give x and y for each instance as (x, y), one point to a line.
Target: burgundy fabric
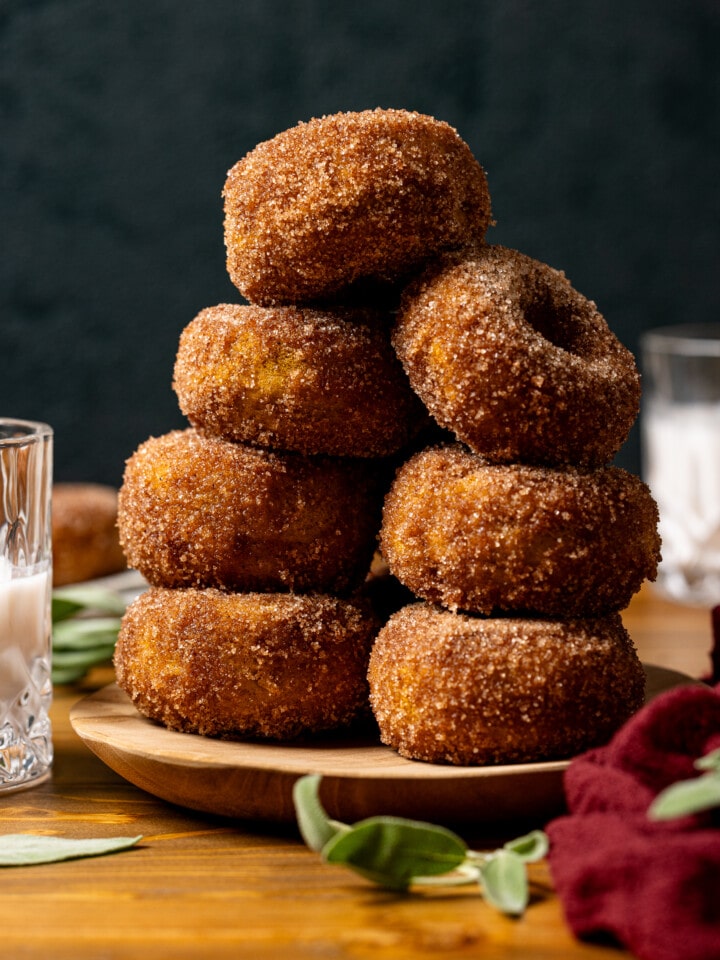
(653, 886)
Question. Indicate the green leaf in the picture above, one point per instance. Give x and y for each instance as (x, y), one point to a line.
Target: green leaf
(68, 601)
(80, 637)
(531, 847)
(78, 658)
(392, 851)
(63, 609)
(504, 881)
(711, 761)
(24, 849)
(81, 634)
(315, 825)
(397, 853)
(80, 644)
(687, 797)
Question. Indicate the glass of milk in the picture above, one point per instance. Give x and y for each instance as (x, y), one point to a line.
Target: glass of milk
(26, 751)
(680, 429)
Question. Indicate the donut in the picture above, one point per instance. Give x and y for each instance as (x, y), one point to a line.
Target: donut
(85, 539)
(346, 198)
(296, 379)
(453, 688)
(551, 541)
(271, 665)
(197, 511)
(506, 354)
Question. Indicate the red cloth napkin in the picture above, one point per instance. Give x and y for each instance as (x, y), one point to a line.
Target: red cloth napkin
(654, 886)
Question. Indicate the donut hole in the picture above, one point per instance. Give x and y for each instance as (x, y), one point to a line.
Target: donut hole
(556, 323)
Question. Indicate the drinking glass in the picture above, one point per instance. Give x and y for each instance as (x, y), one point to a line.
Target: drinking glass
(26, 751)
(680, 430)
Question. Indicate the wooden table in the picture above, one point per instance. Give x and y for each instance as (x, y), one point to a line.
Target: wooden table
(199, 886)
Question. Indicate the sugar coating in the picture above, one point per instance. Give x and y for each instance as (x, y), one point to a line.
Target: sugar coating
(349, 196)
(506, 354)
(245, 664)
(316, 382)
(483, 537)
(200, 511)
(452, 688)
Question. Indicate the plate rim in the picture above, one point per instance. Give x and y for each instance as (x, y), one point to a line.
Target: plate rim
(396, 767)
(243, 788)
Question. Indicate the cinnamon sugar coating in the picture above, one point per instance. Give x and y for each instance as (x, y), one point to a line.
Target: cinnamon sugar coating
(296, 379)
(199, 511)
(250, 664)
(520, 366)
(481, 537)
(349, 196)
(452, 688)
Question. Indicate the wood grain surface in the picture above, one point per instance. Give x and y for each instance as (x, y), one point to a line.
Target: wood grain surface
(203, 886)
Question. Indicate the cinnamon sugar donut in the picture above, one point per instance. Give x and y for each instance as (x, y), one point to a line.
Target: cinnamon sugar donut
(347, 197)
(85, 538)
(249, 664)
(452, 688)
(296, 379)
(199, 511)
(519, 365)
(481, 537)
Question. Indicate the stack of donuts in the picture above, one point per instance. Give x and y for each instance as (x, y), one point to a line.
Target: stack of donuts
(256, 526)
(374, 304)
(523, 543)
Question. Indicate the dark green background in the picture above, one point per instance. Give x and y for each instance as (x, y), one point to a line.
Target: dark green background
(597, 124)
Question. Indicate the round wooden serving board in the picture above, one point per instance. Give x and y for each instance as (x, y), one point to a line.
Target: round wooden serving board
(361, 778)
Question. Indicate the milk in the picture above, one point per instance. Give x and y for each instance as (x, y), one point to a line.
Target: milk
(24, 628)
(681, 447)
(26, 749)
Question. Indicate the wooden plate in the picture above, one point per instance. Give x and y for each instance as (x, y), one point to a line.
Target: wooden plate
(361, 778)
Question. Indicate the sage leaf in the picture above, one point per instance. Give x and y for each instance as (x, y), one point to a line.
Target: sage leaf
(687, 797)
(81, 634)
(391, 851)
(531, 847)
(504, 881)
(396, 853)
(63, 659)
(711, 761)
(315, 826)
(80, 641)
(25, 849)
(78, 645)
(68, 601)
(63, 608)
